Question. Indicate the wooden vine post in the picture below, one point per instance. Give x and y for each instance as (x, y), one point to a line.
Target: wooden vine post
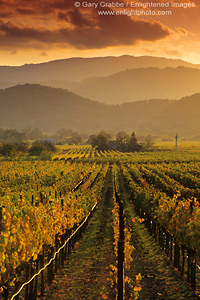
(120, 275)
(176, 139)
(120, 269)
(1, 219)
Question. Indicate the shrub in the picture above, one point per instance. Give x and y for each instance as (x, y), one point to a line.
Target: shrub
(39, 147)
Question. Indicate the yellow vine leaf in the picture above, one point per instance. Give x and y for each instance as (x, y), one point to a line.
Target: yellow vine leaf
(137, 288)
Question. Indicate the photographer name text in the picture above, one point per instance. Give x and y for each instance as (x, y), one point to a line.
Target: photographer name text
(116, 4)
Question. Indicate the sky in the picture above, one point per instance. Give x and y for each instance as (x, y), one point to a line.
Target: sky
(34, 31)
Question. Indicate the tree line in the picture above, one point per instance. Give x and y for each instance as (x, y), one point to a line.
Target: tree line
(43, 149)
(62, 136)
(35, 143)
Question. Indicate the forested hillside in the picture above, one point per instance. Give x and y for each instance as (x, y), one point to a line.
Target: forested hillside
(51, 109)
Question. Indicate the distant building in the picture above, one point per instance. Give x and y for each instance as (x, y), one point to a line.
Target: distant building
(53, 141)
(113, 145)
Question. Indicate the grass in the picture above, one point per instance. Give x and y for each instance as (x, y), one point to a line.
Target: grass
(183, 145)
(86, 274)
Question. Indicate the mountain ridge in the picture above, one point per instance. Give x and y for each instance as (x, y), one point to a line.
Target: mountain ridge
(50, 109)
(78, 69)
(141, 83)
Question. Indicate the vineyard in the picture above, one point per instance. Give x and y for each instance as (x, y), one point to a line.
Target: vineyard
(146, 205)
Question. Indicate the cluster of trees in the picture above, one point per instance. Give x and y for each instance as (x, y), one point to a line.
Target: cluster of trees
(44, 149)
(100, 141)
(68, 136)
(13, 149)
(123, 142)
(16, 137)
(62, 136)
(14, 142)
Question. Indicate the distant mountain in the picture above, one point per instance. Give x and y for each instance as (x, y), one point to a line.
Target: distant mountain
(139, 84)
(50, 109)
(78, 69)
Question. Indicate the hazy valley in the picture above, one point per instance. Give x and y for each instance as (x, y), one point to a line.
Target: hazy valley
(51, 109)
(93, 94)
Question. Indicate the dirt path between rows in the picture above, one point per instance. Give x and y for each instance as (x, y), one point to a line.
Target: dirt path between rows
(86, 273)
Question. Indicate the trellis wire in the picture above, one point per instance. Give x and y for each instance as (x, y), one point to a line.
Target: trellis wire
(57, 252)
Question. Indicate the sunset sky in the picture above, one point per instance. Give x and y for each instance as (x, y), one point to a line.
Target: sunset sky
(33, 31)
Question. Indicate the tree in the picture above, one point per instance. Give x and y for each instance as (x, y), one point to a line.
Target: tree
(1, 133)
(75, 140)
(132, 144)
(11, 149)
(90, 140)
(126, 143)
(13, 136)
(63, 134)
(8, 149)
(39, 147)
(34, 134)
(100, 141)
(148, 143)
(121, 140)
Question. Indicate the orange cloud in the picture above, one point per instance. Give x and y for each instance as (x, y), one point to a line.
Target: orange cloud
(80, 28)
(182, 31)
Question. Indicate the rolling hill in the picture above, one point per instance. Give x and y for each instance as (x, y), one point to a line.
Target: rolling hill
(50, 109)
(60, 73)
(138, 84)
